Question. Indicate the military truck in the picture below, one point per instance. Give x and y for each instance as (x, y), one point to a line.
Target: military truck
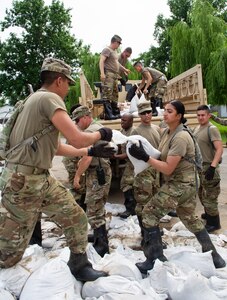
(186, 87)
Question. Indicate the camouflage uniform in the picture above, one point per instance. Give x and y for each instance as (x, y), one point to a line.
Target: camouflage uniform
(111, 68)
(28, 189)
(127, 178)
(179, 189)
(145, 183)
(71, 167)
(209, 189)
(159, 83)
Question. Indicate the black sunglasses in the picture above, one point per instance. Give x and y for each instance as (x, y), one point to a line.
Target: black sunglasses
(145, 112)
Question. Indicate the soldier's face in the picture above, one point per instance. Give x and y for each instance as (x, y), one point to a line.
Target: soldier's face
(203, 117)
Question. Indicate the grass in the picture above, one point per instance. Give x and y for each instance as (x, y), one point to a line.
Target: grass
(222, 129)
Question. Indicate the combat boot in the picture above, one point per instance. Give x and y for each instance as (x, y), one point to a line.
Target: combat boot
(108, 112)
(130, 204)
(82, 269)
(207, 245)
(142, 230)
(101, 243)
(115, 109)
(213, 223)
(152, 249)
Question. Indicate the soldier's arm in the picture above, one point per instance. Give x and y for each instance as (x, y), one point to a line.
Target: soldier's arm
(218, 153)
(70, 131)
(101, 67)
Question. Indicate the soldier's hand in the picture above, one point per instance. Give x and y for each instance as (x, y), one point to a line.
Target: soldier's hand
(101, 150)
(106, 134)
(209, 174)
(138, 152)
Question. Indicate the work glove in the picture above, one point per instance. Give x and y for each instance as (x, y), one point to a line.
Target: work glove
(138, 152)
(106, 134)
(209, 174)
(100, 150)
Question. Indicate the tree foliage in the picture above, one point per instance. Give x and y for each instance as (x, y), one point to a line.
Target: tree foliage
(44, 32)
(203, 42)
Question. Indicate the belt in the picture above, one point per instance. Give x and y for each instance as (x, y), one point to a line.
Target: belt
(27, 170)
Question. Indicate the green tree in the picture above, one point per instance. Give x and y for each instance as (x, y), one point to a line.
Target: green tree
(44, 32)
(204, 41)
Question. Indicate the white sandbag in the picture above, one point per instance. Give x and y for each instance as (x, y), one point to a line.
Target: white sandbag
(133, 104)
(14, 278)
(119, 138)
(117, 264)
(5, 295)
(53, 281)
(111, 284)
(115, 296)
(195, 287)
(202, 262)
(140, 165)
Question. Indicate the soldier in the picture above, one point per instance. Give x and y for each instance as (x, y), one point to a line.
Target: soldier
(71, 165)
(123, 60)
(210, 143)
(97, 183)
(127, 179)
(109, 72)
(153, 85)
(177, 191)
(145, 183)
(27, 187)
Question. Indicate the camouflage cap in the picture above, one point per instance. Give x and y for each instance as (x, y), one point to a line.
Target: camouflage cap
(57, 65)
(144, 106)
(80, 112)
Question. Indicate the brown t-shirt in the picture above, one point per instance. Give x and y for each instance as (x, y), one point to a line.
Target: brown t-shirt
(178, 144)
(155, 74)
(35, 116)
(150, 132)
(111, 63)
(204, 141)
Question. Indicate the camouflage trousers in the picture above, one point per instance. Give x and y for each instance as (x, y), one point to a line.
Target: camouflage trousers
(209, 191)
(71, 167)
(127, 179)
(110, 87)
(24, 197)
(170, 196)
(96, 196)
(157, 89)
(145, 185)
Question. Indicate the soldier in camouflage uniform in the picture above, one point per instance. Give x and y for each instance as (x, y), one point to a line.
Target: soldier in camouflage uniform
(97, 185)
(145, 183)
(210, 142)
(27, 187)
(127, 179)
(177, 191)
(109, 74)
(153, 85)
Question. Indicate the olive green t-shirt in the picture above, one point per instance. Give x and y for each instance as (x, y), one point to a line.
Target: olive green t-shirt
(204, 141)
(151, 133)
(35, 116)
(111, 63)
(178, 143)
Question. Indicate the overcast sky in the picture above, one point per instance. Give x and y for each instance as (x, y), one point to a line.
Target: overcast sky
(96, 21)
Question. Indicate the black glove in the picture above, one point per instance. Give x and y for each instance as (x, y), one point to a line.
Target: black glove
(106, 134)
(139, 152)
(209, 174)
(100, 150)
(123, 80)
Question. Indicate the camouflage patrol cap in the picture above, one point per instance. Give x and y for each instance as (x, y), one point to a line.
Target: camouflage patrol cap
(80, 112)
(57, 65)
(144, 106)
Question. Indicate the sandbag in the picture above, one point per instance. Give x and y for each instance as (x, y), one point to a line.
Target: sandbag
(53, 281)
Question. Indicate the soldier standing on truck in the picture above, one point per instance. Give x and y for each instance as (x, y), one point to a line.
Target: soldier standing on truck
(123, 60)
(153, 85)
(109, 72)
